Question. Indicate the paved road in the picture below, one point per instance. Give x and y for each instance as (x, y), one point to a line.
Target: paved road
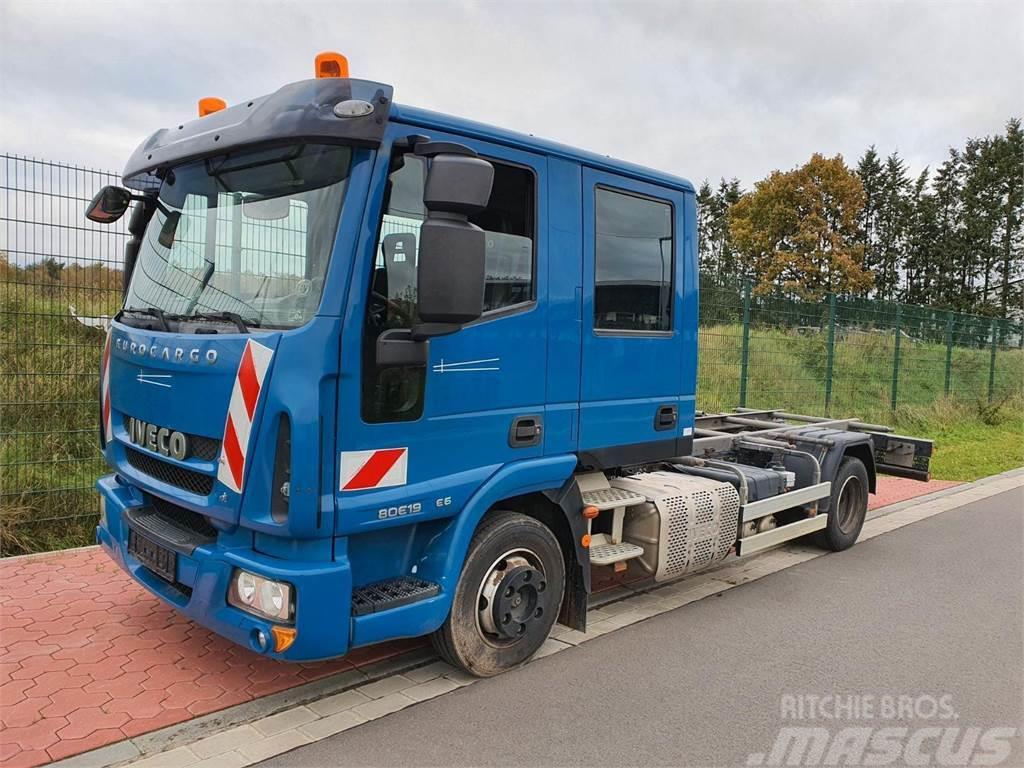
(933, 608)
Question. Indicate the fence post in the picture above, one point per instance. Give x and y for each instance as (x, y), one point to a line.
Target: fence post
(745, 352)
(992, 360)
(896, 358)
(830, 352)
(949, 351)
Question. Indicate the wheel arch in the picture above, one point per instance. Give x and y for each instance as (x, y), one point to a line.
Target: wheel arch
(541, 488)
(560, 512)
(863, 452)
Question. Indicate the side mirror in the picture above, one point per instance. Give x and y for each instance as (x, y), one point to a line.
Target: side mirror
(108, 205)
(450, 275)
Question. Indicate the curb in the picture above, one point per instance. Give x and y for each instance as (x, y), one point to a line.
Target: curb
(254, 731)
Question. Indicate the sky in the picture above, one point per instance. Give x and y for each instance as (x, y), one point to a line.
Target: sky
(699, 89)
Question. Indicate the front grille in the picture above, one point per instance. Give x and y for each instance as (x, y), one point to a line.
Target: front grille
(184, 518)
(186, 479)
(204, 448)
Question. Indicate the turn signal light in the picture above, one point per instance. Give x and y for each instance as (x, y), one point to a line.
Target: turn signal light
(211, 104)
(330, 64)
(590, 512)
(283, 638)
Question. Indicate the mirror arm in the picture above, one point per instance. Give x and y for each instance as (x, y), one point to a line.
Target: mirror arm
(424, 331)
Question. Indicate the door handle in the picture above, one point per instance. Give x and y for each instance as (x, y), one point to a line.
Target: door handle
(666, 417)
(525, 431)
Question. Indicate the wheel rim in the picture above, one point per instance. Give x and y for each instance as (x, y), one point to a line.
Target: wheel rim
(851, 504)
(512, 596)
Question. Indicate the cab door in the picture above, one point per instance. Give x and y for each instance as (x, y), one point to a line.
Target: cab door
(417, 441)
(632, 406)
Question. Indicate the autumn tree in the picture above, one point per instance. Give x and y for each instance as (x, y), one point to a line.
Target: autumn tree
(798, 230)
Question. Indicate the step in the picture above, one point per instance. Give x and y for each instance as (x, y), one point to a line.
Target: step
(607, 554)
(611, 498)
(391, 593)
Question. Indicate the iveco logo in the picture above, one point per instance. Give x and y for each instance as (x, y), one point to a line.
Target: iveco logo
(158, 439)
(168, 354)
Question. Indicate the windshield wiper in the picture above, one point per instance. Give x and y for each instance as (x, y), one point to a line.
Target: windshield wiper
(240, 323)
(150, 311)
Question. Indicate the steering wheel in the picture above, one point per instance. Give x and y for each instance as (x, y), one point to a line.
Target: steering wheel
(395, 305)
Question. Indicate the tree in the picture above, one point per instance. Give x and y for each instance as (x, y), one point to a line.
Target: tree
(705, 219)
(869, 169)
(1010, 162)
(893, 212)
(948, 214)
(716, 250)
(798, 230)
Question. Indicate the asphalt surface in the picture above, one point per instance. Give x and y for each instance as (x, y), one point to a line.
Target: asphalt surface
(933, 609)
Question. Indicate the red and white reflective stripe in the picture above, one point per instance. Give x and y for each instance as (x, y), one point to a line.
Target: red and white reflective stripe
(244, 397)
(105, 420)
(361, 470)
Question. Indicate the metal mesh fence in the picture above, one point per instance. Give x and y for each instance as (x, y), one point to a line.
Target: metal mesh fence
(60, 279)
(54, 265)
(849, 356)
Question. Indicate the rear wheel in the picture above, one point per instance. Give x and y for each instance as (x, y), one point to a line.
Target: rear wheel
(507, 598)
(848, 508)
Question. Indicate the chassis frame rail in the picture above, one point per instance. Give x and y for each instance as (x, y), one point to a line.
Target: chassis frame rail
(898, 455)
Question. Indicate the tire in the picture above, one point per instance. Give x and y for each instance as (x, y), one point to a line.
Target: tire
(848, 508)
(490, 629)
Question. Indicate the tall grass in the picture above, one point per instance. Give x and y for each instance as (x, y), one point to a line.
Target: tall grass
(49, 364)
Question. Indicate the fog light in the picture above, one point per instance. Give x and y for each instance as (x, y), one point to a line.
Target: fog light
(262, 597)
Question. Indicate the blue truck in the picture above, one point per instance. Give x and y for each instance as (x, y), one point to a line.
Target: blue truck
(383, 373)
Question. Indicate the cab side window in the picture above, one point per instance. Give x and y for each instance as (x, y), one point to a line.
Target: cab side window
(633, 248)
(396, 393)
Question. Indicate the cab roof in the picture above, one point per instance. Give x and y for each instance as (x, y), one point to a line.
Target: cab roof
(424, 118)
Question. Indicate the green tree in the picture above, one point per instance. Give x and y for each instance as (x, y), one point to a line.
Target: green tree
(1009, 160)
(922, 258)
(870, 172)
(716, 250)
(798, 230)
(893, 213)
(705, 219)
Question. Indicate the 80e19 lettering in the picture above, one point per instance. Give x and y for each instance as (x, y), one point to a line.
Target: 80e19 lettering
(412, 508)
(402, 510)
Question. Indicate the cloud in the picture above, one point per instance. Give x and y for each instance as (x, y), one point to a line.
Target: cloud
(699, 89)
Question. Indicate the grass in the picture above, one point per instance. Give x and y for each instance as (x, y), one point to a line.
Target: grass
(49, 366)
(786, 368)
(971, 441)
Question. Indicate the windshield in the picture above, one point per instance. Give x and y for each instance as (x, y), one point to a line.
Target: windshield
(247, 233)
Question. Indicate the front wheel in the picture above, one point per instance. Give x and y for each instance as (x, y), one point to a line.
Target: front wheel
(507, 598)
(848, 508)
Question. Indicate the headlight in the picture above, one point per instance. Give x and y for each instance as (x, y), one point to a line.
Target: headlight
(263, 597)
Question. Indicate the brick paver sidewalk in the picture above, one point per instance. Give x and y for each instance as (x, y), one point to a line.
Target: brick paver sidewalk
(89, 658)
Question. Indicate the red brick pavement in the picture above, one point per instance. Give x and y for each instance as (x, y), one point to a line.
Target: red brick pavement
(88, 658)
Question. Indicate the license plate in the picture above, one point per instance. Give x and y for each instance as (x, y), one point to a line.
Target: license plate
(158, 559)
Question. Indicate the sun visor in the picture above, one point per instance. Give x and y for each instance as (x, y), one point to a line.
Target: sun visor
(325, 110)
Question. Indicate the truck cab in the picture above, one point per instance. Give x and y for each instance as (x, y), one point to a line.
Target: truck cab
(379, 373)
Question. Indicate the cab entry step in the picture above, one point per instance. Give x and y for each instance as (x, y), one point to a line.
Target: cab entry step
(391, 593)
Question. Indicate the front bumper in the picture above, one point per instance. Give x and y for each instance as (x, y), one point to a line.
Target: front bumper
(322, 589)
